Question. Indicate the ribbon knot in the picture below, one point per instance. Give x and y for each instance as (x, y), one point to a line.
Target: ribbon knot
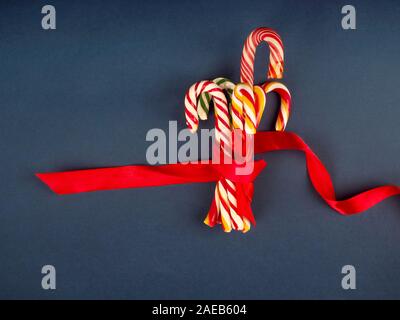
(240, 173)
(244, 190)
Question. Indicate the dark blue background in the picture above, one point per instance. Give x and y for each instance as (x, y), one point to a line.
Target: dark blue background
(85, 95)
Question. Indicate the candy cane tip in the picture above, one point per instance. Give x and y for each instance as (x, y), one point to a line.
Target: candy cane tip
(207, 222)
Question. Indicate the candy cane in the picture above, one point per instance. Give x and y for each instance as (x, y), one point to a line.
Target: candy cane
(247, 103)
(225, 197)
(203, 105)
(247, 99)
(276, 57)
(284, 111)
(236, 222)
(223, 128)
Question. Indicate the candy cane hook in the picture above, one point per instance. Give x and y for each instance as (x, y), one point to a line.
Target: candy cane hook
(276, 57)
(286, 101)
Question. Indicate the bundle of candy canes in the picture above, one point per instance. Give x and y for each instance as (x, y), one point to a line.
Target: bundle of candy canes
(238, 108)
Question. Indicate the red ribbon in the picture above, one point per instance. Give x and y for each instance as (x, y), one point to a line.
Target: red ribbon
(273, 141)
(138, 176)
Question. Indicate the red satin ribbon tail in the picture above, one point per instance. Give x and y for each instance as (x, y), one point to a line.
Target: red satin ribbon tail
(319, 176)
(364, 201)
(69, 182)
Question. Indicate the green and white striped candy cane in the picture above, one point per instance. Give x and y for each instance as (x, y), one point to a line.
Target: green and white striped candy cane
(203, 105)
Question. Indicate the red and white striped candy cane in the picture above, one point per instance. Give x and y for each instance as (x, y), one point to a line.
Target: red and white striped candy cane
(222, 117)
(225, 197)
(275, 68)
(284, 111)
(248, 100)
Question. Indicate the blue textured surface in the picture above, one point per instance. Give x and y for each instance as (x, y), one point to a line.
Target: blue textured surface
(85, 95)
